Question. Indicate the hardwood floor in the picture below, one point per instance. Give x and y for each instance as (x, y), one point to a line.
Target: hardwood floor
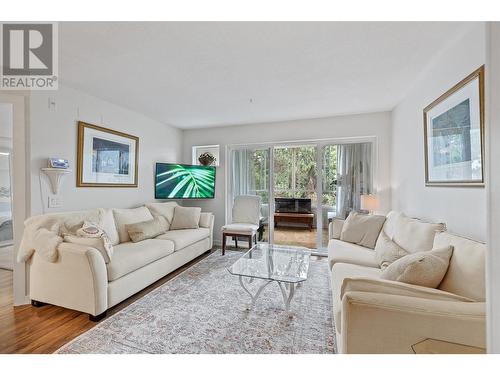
(27, 329)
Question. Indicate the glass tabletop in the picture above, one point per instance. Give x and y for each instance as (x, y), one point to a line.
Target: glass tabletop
(274, 262)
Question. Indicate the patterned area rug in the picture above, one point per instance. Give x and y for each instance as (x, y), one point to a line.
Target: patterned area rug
(202, 310)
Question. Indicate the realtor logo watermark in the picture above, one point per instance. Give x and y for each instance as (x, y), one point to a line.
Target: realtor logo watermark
(28, 59)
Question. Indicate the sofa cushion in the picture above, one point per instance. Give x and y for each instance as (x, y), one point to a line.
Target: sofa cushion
(107, 224)
(425, 268)
(345, 252)
(362, 229)
(130, 256)
(185, 237)
(147, 229)
(129, 216)
(415, 235)
(340, 271)
(336, 228)
(387, 251)
(389, 226)
(165, 209)
(466, 273)
(186, 218)
(205, 219)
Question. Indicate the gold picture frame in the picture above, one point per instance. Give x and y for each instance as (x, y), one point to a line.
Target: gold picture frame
(106, 157)
(454, 150)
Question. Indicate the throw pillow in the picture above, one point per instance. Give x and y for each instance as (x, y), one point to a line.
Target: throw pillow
(129, 216)
(362, 229)
(107, 224)
(425, 268)
(415, 235)
(336, 228)
(387, 251)
(186, 218)
(147, 229)
(92, 235)
(165, 209)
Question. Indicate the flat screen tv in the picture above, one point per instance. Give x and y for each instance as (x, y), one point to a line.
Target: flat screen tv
(182, 181)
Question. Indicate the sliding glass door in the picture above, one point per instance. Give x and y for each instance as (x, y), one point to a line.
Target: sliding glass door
(295, 195)
(303, 186)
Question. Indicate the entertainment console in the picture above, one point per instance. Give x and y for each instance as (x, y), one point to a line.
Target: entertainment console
(294, 211)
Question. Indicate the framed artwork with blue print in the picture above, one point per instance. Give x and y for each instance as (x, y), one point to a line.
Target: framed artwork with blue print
(454, 135)
(106, 157)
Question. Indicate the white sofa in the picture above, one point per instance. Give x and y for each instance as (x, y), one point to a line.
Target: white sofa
(81, 280)
(373, 315)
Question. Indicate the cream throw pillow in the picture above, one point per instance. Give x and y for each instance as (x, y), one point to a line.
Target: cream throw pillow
(129, 216)
(362, 229)
(186, 218)
(165, 209)
(425, 268)
(387, 251)
(93, 236)
(147, 229)
(415, 235)
(107, 224)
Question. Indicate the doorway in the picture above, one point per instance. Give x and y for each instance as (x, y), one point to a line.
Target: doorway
(6, 228)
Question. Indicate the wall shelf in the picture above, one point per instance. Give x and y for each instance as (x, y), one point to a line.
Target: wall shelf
(55, 176)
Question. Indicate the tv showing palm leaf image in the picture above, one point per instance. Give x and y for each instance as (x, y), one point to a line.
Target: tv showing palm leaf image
(181, 181)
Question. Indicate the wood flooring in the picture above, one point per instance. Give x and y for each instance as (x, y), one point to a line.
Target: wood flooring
(27, 329)
(43, 330)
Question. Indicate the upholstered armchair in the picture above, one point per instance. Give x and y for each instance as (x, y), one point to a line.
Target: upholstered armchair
(245, 220)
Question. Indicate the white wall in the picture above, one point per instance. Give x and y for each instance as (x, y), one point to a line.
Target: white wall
(462, 209)
(364, 125)
(493, 184)
(53, 133)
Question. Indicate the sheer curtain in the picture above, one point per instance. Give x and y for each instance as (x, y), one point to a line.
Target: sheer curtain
(241, 179)
(354, 176)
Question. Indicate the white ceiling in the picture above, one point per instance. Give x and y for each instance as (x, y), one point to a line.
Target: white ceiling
(205, 74)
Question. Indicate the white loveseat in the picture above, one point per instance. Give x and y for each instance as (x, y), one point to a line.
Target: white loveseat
(81, 280)
(373, 315)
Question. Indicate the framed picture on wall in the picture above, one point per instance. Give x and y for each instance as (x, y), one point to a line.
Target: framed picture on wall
(454, 135)
(106, 158)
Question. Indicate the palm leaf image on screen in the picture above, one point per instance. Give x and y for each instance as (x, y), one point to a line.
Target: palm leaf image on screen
(180, 181)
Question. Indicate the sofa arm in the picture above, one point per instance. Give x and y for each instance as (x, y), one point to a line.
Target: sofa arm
(363, 284)
(77, 280)
(383, 323)
(207, 221)
(335, 228)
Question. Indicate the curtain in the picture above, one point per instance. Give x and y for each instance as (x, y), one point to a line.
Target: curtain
(240, 173)
(354, 178)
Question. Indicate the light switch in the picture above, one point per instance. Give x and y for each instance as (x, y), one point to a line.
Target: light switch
(55, 201)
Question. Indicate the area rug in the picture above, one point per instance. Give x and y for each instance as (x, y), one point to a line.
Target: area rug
(7, 257)
(202, 310)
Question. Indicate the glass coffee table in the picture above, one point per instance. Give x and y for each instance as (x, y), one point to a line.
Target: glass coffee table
(286, 265)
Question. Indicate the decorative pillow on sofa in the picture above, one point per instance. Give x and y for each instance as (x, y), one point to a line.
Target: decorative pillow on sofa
(415, 235)
(186, 218)
(129, 216)
(362, 229)
(92, 236)
(425, 268)
(387, 251)
(107, 224)
(147, 229)
(165, 209)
